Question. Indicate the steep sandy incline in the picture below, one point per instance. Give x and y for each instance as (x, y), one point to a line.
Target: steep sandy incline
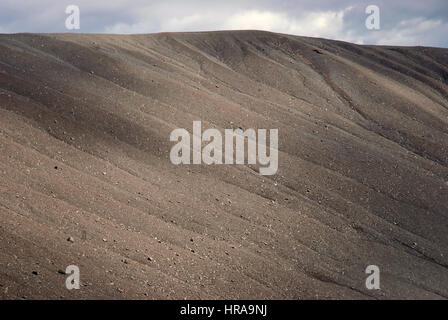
(84, 153)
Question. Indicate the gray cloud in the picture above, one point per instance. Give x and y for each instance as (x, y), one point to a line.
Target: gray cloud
(403, 22)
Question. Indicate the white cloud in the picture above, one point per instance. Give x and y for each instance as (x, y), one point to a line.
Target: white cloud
(402, 22)
(328, 24)
(410, 32)
(316, 24)
(124, 28)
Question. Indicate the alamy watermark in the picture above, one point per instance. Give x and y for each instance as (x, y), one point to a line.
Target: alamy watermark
(373, 280)
(234, 145)
(72, 281)
(373, 18)
(73, 20)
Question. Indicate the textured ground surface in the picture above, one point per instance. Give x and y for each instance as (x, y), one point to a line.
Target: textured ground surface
(84, 153)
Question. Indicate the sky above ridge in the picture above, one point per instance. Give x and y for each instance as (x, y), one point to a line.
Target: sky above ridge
(402, 22)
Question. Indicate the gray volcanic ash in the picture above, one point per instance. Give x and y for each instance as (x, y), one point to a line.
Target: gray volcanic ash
(362, 180)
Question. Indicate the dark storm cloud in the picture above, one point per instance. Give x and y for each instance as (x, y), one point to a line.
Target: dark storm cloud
(403, 22)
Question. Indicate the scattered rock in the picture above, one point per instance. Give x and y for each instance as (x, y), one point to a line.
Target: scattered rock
(70, 239)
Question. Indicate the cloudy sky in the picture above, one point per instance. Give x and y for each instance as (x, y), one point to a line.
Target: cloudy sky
(402, 22)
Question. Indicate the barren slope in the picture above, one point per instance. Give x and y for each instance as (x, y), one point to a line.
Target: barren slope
(84, 153)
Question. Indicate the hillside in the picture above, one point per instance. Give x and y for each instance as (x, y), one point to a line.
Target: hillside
(85, 122)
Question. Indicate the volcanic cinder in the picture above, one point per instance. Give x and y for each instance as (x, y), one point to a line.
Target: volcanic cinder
(86, 179)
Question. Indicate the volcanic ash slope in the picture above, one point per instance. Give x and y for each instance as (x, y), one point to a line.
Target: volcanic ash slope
(86, 179)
